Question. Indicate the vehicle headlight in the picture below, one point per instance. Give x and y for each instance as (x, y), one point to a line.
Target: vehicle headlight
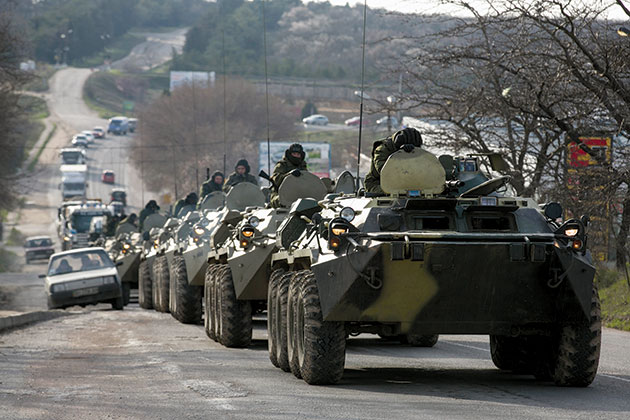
(156, 243)
(66, 239)
(254, 221)
(126, 246)
(247, 231)
(347, 213)
(109, 280)
(339, 230)
(55, 288)
(571, 231)
(199, 231)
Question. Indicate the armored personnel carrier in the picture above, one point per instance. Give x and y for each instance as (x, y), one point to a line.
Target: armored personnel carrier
(166, 245)
(443, 251)
(237, 279)
(151, 230)
(125, 250)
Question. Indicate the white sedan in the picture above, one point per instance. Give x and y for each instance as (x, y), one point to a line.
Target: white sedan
(88, 135)
(84, 276)
(316, 119)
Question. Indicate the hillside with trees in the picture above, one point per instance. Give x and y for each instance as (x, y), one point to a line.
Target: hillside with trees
(70, 30)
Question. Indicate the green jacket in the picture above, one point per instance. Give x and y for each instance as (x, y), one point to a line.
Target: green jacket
(280, 172)
(208, 187)
(236, 178)
(381, 150)
(144, 213)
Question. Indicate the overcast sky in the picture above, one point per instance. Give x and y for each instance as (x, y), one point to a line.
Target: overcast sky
(431, 6)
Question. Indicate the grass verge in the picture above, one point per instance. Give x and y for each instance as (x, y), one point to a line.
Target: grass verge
(8, 261)
(33, 163)
(39, 82)
(614, 294)
(15, 238)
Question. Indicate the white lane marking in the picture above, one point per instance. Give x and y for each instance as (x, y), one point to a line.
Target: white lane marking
(466, 345)
(613, 377)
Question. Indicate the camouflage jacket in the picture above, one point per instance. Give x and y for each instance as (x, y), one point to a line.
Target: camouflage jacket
(235, 178)
(208, 187)
(381, 150)
(282, 168)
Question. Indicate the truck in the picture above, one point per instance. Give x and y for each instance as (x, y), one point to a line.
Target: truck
(72, 156)
(118, 125)
(73, 181)
(84, 224)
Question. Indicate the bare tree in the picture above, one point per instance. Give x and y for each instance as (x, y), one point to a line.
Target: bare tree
(11, 117)
(183, 133)
(531, 78)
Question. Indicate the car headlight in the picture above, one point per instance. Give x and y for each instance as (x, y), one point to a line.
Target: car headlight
(347, 213)
(66, 239)
(55, 288)
(109, 280)
(254, 221)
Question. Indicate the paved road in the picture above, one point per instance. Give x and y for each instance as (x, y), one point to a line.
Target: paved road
(142, 364)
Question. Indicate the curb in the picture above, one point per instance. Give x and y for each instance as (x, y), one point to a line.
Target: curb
(15, 321)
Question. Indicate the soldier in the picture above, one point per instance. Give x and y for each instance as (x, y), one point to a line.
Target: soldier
(190, 200)
(131, 219)
(292, 162)
(150, 208)
(215, 183)
(240, 174)
(405, 140)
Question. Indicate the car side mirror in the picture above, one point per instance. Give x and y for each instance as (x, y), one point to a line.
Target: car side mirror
(41, 276)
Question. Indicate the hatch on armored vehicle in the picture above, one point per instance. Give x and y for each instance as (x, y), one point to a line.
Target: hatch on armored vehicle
(307, 185)
(244, 195)
(418, 172)
(345, 183)
(212, 201)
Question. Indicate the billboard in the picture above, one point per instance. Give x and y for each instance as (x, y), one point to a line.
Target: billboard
(196, 78)
(317, 156)
(578, 158)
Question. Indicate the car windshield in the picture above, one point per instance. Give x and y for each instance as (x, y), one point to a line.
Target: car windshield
(118, 195)
(81, 222)
(80, 261)
(115, 122)
(34, 243)
(73, 186)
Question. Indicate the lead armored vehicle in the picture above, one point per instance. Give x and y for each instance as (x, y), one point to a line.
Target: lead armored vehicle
(443, 251)
(151, 230)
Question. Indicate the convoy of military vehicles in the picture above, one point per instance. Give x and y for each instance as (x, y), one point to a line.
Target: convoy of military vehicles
(445, 250)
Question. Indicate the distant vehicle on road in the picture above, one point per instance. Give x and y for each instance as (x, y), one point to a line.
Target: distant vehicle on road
(88, 135)
(85, 276)
(80, 141)
(73, 181)
(118, 125)
(382, 123)
(108, 176)
(72, 156)
(117, 208)
(38, 247)
(354, 121)
(78, 226)
(133, 124)
(119, 194)
(316, 119)
(98, 132)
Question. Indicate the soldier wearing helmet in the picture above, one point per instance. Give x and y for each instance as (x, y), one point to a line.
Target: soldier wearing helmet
(291, 163)
(406, 140)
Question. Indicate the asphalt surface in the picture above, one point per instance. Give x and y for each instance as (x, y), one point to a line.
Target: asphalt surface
(101, 363)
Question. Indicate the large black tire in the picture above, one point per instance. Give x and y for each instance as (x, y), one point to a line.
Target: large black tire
(126, 287)
(235, 315)
(321, 345)
(145, 290)
(511, 353)
(209, 323)
(163, 280)
(280, 320)
(576, 349)
(214, 297)
(155, 290)
(187, 305)
(420, 340)
(118, 303)
(271, 323)
(292, 299)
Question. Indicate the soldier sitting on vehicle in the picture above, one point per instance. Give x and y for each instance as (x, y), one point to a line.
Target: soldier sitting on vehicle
(292, 162)
(240, 174)
(406, 140)
(184, 205)
(131, 219)
(215, 183)
(150, 208)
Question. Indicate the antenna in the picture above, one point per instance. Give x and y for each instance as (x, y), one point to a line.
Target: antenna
(224, 101)
(362, 94)
(266, 86)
